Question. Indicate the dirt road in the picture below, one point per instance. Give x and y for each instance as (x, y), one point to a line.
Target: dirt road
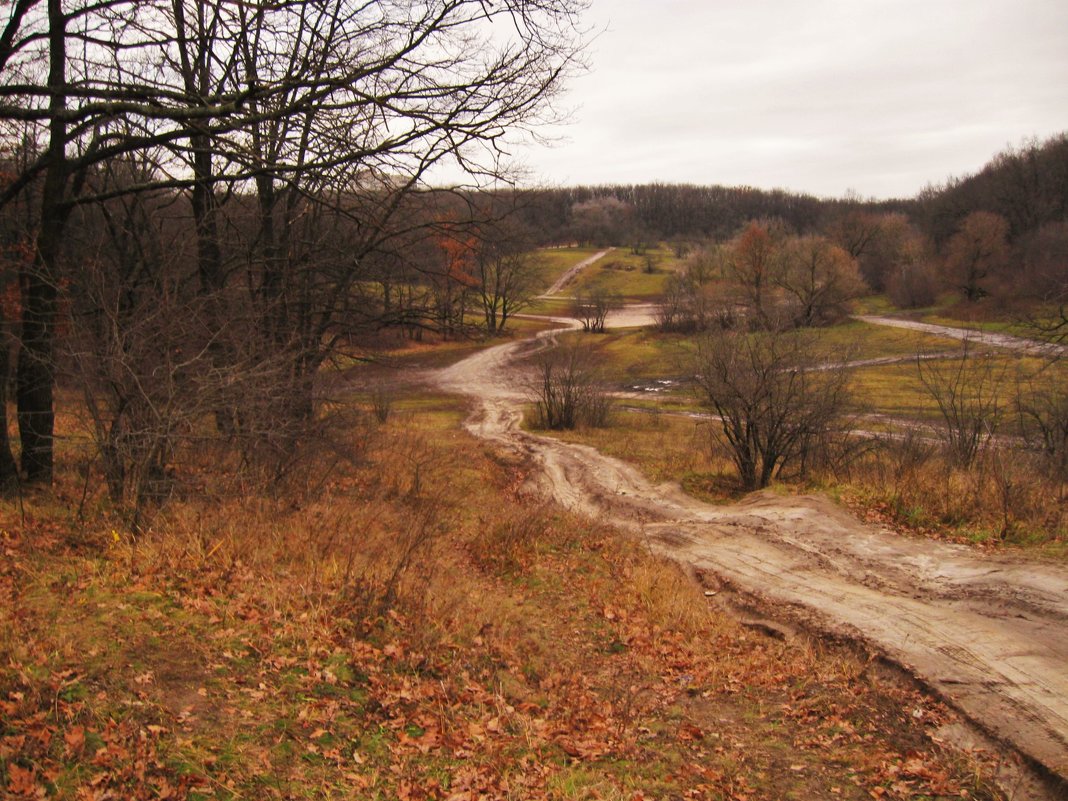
(990, 633)
(569, 276)
(975, 336)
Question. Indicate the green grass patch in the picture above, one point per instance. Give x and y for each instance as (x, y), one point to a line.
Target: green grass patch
(855, 339)
(631, 354)
(554, 262)
(628, 275)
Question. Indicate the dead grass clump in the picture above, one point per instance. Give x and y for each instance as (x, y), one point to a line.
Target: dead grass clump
(1002, 496)
(507, 542)
(669, 598)
(381, 399)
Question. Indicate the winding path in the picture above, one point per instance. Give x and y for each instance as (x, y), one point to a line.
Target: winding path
(989, 633)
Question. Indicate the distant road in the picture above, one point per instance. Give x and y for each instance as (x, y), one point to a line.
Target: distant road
(569, 276)
(1033, 347)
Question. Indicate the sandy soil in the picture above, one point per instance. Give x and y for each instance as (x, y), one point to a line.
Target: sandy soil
(987, 632)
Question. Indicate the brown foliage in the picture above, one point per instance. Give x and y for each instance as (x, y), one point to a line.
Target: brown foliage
(819, 280)
(976, 252)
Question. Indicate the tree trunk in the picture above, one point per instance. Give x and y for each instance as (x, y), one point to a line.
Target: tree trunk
(36, 364)
(9, 471)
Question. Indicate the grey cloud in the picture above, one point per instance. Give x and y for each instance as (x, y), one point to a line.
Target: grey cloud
(881, 96)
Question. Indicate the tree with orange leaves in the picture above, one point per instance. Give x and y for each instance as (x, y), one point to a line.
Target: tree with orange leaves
(752, 262)
(454, 280)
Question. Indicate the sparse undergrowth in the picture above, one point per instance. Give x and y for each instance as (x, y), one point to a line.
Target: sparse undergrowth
(423, 630)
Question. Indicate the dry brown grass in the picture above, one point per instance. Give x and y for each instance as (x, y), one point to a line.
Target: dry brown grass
(667, 447)
(417, 628)
(1007, 496)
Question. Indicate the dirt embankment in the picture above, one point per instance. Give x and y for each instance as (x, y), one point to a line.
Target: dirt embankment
(990, 633)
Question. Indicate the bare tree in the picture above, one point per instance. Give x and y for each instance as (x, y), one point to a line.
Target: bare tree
(819, 280)
(913, 284)
(876, 241)
(752, 262)
(566, 390)
(690, 302)
(978, 249)
(774, 407)
(1041, 406)
(968, 393)
(343, 104)
(507, 273)
(601, 221)
(592, 308)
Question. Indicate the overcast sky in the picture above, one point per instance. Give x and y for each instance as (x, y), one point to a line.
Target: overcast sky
(880, 97)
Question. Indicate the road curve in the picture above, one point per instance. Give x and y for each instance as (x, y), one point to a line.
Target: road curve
(987, 632)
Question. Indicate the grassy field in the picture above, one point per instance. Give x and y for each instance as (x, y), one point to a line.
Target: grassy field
(418, 628)
(555, 262)
(628, 274)
(893, 388)
(636, 356)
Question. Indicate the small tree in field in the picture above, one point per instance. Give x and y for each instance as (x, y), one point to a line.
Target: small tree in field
(752, 262)
(967, 391)
(819, 279)
(566, 390)
(775, 405)
(1041, 406)
(593, 308)
(978, 249)
(506, 273)
(913, 285)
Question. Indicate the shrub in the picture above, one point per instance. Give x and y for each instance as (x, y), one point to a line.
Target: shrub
(775, 405)
(566, 391)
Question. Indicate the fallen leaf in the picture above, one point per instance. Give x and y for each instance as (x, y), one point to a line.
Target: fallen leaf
(21, 781)
(75, 740)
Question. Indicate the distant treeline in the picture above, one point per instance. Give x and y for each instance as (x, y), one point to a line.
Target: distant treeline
(617, 214)
(1028, 186)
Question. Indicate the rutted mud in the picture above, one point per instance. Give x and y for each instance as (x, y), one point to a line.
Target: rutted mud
(990, 633)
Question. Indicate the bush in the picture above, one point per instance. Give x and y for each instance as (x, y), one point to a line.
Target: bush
(593, 308)
(381, 402)
(1041, 406)
(967, 391)
(776, 406)
(913, 286)
(566, 391)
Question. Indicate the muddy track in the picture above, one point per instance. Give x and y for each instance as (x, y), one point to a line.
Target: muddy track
(988, 633)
